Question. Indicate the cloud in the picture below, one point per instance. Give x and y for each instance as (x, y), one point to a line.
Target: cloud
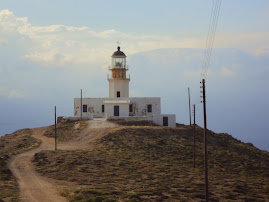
(251, 42)
(227, 72)
(194, 74)
(263, 51)
(15, 94)
(3, 41)
(10, 23)
(12, 94)
(49, 58)
(61, 45)
(191, 73)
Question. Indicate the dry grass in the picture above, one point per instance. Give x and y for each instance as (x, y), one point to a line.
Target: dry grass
(132, 123)
(155, 163)
(66, 130)
(13, 144)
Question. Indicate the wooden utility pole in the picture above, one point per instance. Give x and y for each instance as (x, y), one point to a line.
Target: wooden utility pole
(55, 128)
(205, 142)
(189, 104)
(81, 104)
(194, 137)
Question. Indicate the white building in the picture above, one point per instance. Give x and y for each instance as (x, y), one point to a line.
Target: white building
(119, 105)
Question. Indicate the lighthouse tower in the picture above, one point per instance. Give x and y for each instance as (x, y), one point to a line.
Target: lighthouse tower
(118, 83)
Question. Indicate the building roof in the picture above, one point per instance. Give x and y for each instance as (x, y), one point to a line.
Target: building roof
(118, 53)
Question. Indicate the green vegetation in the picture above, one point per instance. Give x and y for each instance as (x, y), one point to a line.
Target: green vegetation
(141, 163)
(13, 144)
(66, 130)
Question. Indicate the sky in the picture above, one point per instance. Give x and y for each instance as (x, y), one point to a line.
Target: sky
(49, 50)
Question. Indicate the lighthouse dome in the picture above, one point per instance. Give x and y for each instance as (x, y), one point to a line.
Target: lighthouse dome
(118, 53)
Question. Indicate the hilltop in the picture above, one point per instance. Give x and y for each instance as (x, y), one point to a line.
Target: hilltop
(146, 162)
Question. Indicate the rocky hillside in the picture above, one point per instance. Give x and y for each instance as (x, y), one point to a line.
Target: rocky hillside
(12, 144)
(141, 163)
(22, 141)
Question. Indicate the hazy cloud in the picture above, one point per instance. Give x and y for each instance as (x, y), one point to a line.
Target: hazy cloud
(250, 42)
(59, 45)
(11, 93)
(227, 72)
(3, 41)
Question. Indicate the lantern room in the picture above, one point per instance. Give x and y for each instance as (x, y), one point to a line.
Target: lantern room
(118, 64)
(118, 59)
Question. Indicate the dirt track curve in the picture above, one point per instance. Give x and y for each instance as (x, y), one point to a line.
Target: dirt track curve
(34, 187)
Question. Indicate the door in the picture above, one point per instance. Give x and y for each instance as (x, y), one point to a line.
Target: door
(165, 121)
(116, 110)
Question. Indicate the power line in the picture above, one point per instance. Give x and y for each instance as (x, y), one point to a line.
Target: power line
(214, 16)
(217, 10)
(210, 37)
(207, 38)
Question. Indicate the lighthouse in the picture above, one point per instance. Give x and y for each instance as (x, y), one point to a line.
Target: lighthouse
(118, 104)
(118, 82)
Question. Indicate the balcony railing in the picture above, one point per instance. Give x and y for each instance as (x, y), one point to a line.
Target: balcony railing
(110, 77)
(119, 67)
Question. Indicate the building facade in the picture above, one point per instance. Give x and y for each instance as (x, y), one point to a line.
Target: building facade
(119, 105)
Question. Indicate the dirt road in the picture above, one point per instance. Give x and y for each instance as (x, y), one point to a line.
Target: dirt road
(34, 187)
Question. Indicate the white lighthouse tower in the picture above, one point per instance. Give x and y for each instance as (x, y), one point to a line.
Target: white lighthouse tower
(118, 83)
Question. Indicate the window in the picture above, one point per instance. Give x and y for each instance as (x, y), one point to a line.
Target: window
(84, 108)
(103, 108)
(149, 108)
(130, 108)
(118, 93)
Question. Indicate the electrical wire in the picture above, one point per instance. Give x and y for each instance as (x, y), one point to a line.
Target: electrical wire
(215, 11)
(210, 37)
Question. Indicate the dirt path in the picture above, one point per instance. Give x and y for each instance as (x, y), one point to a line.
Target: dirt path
(95, 129)
(34, 187)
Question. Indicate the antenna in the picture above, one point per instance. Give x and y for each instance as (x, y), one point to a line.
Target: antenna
(118, 43)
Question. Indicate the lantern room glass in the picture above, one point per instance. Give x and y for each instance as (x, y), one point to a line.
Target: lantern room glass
(119, 63)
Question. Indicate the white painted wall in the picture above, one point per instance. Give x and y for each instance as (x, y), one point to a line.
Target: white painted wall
(123, 109)
(118, 84)
(94, 106)
(140, 106)
(171, 120)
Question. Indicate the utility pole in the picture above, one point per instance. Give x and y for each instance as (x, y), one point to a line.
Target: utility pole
(81, 104)
(205, 142)
(55, 129)
(194, 137)
(189, 104)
